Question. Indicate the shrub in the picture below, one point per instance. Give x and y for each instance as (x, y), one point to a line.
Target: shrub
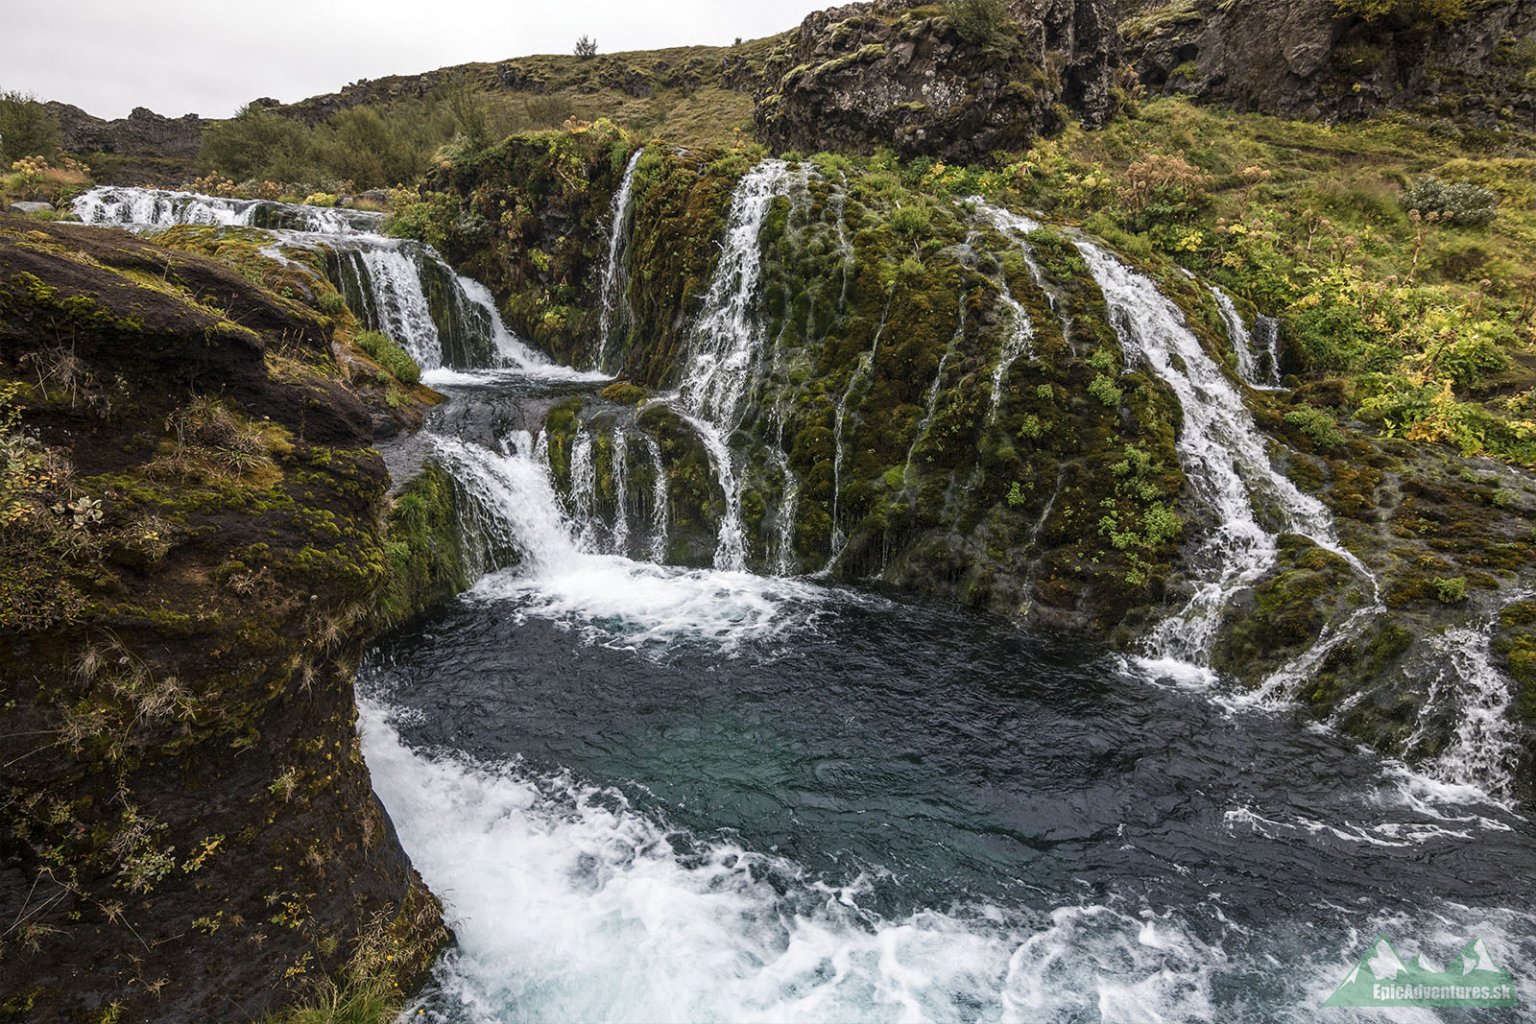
(1444, 11)
(1318, 425)
(978, 22)
(586, 47)
(27, 128)
(1163, 188)
(1462, 204)
(387, 353)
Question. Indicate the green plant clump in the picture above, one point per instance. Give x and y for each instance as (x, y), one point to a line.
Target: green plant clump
(388, 354)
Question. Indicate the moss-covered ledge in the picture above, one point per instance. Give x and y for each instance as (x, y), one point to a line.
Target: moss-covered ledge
(192, 540)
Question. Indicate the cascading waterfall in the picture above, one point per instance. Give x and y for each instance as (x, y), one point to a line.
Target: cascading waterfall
(859, 377)
(1254, 370)
(726, 345)
(400, 287)
(1266, 335)
(731, 547)
(1017, 342)
(384, 286)
(1223, 454)
(159, 208)
(1486, 746)
(931, 406)
(613, 291)
(726, 342)
(785, 563)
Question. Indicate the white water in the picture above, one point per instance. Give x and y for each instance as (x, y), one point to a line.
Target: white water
(660, 517)
(1486, 748)
(159, 208)
(1249, 367)
(613, 291)
(390, 271)
(584, 911)
(620, 477)
(1224, 457)
(785, 564)
(1017, 341)
(608, 598)
(583, 493)
(726, 345)
(726, 342)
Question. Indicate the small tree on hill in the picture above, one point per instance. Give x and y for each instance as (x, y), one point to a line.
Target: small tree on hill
(27, 128)
(586, 47)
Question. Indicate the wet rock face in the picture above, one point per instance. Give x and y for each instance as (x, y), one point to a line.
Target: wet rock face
(905, 76)
(1298, 58)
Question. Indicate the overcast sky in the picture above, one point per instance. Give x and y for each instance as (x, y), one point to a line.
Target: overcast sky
(190, 56)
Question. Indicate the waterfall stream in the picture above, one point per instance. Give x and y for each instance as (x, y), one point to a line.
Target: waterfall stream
(614, 310)
(1225, 458)
(1255, 365)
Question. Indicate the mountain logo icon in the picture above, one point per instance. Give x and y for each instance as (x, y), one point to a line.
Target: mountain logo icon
(1383, 978)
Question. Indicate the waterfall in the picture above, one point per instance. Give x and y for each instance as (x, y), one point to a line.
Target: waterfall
(1266, 330)
(1014, 227)
(1486, 747)
(583, 489)
(385, 288)
(726, 344)
(726, 341)
(398, 287)
(860, 375)
(1017, 342)
(1249, 366)
(159, 208)
(620, 477)
(1223, 454)
(613, 292)
(731, 547)
(659, 517)
(785, 565)
(512, 502)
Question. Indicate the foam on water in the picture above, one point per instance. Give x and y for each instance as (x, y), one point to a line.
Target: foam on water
(585, 908)
(609, 598)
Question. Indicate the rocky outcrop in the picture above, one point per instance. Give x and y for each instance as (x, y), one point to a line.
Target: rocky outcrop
(192, 542)
(921, 80)
(142, 148)
(1301, 58)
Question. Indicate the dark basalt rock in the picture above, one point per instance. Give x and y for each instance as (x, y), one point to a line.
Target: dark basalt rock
(1299, 58)
(901, 75)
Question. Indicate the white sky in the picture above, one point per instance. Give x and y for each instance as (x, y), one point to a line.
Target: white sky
(189, 56)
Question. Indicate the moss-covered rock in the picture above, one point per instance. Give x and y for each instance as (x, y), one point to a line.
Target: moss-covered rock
(189, 829)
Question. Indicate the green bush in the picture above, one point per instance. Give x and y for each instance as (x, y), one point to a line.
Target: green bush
(1462, 204)
(978, 22)
(1318, 425)
(27, 128)
(388, 354)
